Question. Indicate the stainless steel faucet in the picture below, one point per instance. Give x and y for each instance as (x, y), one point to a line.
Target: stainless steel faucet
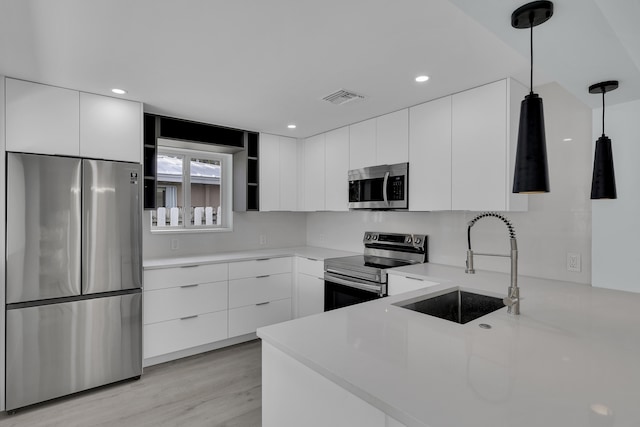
(512, 301)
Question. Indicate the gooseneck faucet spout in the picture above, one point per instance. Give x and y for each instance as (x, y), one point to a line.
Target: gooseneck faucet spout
(512, 301)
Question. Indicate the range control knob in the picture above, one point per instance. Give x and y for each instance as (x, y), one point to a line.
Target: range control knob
(418, 240)
(408, 239)
(375, 237)
(368, 237)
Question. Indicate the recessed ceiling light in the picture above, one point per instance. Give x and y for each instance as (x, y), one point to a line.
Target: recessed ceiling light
(568, 139)
(421, 79)
(119, 91)
(291, 126)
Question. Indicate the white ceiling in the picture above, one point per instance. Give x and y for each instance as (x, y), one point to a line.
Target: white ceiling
(260, 65)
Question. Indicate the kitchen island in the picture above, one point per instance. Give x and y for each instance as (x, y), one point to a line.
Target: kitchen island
(570, 359)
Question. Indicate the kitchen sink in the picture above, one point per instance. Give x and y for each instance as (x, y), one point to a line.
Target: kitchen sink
(456, 306)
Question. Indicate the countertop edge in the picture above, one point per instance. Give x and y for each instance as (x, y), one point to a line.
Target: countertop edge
(311, 252)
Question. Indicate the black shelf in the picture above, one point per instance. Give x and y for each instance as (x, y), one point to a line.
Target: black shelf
(253, 190)
(150, 151)
(246, 175)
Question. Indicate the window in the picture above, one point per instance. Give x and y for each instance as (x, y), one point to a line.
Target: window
(193, 190)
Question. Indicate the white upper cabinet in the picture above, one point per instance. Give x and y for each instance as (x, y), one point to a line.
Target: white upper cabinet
(392, 138)
(50, 120)
(110, 128)
(362, 144)
(269, 156)
(381, 140)
(483, 143)
(288, 174)
(337, 169)
(430, 156)
(278, 173)
(42, 119)
(300, 174)
(314, 173)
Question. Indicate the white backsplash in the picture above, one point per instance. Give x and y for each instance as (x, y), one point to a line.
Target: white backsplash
(280, 229)
(556, 223)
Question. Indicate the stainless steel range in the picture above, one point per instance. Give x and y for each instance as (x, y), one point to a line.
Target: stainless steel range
(360, 278)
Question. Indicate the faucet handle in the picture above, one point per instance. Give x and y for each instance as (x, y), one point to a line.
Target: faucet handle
(510, 302)
(513, 304)
(469, 263)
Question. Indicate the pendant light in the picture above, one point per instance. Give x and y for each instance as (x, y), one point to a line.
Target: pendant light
(531, 172)
(603, 183)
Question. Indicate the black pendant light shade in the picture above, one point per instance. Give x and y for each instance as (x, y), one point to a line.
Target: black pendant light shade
(531, 173)
(603, 183)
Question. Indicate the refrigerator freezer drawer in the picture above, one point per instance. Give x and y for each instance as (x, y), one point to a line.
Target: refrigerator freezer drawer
(58, 349)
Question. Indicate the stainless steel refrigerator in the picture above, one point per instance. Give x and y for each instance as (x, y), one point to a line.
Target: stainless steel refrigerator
(74, 276)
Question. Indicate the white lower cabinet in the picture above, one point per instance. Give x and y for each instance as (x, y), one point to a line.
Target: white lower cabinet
(245, 320)
(401, 284)
(172, 277)
(309, 289)
(201, 304)
(190, 331)
(183, 301)
(310, 296)
(259, 294)
(184, 307)
(260, 289)
(259, 267)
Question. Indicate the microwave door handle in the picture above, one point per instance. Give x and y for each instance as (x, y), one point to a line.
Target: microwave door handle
(384, 188)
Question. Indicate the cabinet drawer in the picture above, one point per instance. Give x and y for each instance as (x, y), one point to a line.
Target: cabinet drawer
(186, 275)
(247, 319)
(174, 335)
(259, 289)
(259, 267)
(174, 303)
(312, 267)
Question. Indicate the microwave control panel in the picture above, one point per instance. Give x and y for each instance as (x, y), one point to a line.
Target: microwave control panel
(396, 188)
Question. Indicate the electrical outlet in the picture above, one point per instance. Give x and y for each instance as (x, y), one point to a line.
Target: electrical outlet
(174, 244)
(574, 263)
(263, 239)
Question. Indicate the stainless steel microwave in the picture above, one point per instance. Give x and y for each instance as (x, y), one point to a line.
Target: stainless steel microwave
(379, 187)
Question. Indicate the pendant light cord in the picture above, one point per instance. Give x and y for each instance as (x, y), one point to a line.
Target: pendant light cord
(603, 91)
(531, 55)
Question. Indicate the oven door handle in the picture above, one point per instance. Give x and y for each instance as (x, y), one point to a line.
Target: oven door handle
(353, 283)
(385, 182)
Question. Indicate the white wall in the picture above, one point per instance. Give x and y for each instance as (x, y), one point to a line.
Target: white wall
(556, 223)
(282, 229)
(616, 223)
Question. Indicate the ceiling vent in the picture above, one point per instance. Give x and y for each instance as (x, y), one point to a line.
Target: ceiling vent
(342, 97)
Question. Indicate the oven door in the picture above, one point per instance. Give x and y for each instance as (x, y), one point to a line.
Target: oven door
(342, 291)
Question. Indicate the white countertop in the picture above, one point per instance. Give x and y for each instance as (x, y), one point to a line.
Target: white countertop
(572, 358)
(302, 251)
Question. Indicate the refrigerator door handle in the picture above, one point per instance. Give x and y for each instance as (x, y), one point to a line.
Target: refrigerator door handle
(136, 219)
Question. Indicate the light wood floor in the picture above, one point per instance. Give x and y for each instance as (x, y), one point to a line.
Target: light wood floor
(219, 388)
